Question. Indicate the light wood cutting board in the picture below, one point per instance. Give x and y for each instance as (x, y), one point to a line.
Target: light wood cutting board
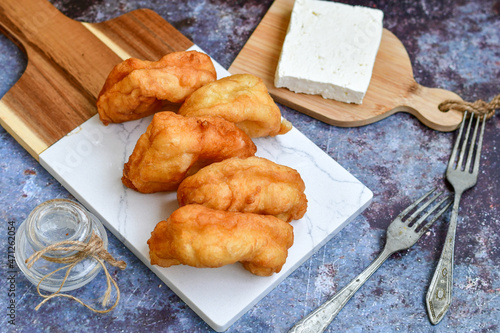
(68, 62)
(392, 88)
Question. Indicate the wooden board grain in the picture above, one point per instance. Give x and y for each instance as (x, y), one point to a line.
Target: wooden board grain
(68, 62)
(392, 87)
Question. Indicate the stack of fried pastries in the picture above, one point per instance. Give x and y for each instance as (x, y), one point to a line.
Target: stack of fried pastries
(175, 146)
(251, 185)
(234, 207)
(137, 88)
(242, 99)
(198, 236)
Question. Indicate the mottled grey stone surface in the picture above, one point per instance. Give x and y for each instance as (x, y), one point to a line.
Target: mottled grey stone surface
(453, 45)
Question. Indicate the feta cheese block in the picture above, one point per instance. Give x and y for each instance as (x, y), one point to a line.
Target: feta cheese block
(329, 50)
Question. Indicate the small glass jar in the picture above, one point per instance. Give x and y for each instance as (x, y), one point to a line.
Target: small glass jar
(51, 222)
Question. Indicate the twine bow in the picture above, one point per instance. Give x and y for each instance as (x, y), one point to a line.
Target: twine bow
(478, 107)
(94, 249)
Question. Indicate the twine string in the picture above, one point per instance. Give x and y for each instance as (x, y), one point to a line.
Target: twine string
(94, 249)
(478, 107)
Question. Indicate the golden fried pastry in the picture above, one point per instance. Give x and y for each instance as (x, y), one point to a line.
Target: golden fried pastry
(198, 236)
(136, 88)
(242, 99)
(251, 185)
(175, 146)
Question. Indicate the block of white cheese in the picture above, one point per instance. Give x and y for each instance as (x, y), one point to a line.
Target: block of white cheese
(329, 50)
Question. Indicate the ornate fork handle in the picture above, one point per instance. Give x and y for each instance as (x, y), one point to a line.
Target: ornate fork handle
(438, 296)
(318, 320)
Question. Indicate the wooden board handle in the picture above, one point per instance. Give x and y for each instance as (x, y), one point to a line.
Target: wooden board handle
(424, 102)
(47, 36)
(23, 20)
(63, 76)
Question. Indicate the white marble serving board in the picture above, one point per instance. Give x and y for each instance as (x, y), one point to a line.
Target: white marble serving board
(89, 162)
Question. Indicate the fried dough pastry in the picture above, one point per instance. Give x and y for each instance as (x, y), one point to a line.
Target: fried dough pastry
(242, 99)
(136, 88)
(251, 185)
(198, 236)
(175, 146)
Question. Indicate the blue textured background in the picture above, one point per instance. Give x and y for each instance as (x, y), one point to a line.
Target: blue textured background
(453, 45)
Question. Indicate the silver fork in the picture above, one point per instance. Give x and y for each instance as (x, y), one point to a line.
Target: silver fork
(401, 235)
(461, 177)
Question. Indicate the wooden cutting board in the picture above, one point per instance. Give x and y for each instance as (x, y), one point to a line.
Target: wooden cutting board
(68, 62)
(392, 87)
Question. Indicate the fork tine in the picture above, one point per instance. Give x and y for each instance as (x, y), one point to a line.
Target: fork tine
(421, 208)
(464, 142)
(427, 225)
(415, 203)
(479, 146)
(457, 142)
(472, 145)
